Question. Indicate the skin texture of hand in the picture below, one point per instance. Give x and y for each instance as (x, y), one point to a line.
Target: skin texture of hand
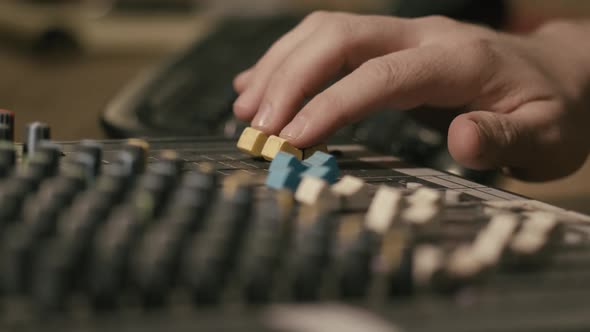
(526, 98)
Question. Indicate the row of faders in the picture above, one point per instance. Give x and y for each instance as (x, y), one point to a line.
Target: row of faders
(402, 226)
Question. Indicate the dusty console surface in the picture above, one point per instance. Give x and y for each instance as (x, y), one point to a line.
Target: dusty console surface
(184, 234)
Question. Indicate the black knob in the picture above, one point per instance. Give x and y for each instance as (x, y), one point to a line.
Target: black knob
(93, 149)
(7, 125)
(42, 164)
(5, 133)
(52, 279)
(134, 156)
(171, 157)
(50, 148)
(7, 158)
(36, 132)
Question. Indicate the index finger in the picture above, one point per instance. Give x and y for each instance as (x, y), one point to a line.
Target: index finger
(433, 75)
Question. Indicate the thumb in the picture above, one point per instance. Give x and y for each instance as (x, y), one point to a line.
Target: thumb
(485, 140)
(528, 145)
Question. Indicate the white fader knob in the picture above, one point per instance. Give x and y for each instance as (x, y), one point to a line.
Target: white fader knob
(353, 193)
(35, 133)
(384, 209)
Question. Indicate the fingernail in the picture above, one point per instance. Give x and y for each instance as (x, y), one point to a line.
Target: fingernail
(263, 117)
(294, 129)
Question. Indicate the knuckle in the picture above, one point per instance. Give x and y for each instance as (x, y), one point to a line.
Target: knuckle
(479, 47)
(481, 55)
(438, 21)
(340, 35)
(381, 70)
(316, 16)
(338, 25)
(558, 26)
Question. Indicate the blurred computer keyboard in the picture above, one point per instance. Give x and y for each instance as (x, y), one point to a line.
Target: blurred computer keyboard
(192, 94)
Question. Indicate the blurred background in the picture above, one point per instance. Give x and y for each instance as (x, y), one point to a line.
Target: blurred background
(63, 61)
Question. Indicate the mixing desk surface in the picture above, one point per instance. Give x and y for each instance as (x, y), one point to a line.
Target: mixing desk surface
(193, 234)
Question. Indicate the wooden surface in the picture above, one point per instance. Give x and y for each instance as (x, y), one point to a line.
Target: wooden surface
(67, 93)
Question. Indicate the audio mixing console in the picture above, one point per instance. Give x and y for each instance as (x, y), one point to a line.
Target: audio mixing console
(194, 234)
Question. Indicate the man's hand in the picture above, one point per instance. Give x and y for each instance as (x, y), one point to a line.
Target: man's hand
(527, 95)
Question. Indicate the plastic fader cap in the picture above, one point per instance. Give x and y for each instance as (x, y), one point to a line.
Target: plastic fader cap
(35, 133)
(534, 234)
(286, 178)
(428, 259)
(528, 243)
(502, 226)
(252, 141)
(540, 222)
(421, 213)
(7, 125)
(325, 173)
(425, 195)
(424, 206)
(452, 196)
(315, 191)
(234, 181)
(321, 159)
(308, 152)
(414, 185)
(284, 161)
(141, 145)
(494, 238)
(463, 263)
(384, 209)
(353, 192)
(275, 144)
